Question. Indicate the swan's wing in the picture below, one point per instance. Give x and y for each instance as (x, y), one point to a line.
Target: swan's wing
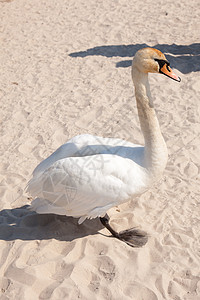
(87, 139)
(86, 186)
(84, 145)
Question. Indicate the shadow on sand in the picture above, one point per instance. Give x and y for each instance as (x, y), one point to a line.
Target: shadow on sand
(185, 58)
(20, 223)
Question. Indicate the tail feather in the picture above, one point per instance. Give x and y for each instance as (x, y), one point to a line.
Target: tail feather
(42, 206)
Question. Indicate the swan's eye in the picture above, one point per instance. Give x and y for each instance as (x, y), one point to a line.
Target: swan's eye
(162, 62)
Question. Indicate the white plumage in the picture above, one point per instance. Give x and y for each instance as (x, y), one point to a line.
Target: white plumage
(87, 176)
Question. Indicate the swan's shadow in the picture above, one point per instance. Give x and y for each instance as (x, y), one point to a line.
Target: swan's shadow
(185, 58)
(20, 223)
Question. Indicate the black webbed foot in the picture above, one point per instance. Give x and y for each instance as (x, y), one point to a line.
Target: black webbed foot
(132, 237)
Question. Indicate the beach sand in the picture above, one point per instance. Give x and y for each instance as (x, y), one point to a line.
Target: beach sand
(66, 70)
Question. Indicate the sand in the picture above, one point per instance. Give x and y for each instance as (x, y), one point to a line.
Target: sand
(65, 70)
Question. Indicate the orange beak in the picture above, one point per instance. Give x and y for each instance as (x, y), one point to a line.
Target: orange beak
(166, 70)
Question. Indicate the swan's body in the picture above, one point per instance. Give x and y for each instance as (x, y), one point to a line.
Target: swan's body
(88, 175)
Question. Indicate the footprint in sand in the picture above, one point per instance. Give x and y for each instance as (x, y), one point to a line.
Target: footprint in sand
(87, 120)
(28, 146)
(137, 291)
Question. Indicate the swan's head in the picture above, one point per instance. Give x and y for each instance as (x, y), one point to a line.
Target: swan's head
(150, 60)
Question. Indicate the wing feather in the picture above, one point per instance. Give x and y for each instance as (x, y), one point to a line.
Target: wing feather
(86, 145)
(87, 176)
(86, 186)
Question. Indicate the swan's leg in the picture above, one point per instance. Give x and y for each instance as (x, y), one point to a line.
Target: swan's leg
(105, 222)
(133, 237)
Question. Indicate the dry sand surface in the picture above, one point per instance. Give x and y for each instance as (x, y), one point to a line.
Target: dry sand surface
(65, 70)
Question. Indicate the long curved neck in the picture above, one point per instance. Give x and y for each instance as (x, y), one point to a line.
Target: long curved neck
(155, 156)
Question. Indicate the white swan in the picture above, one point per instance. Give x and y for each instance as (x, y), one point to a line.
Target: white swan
(89, 174)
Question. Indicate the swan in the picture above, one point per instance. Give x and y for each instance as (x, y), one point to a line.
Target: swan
(89, 174)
